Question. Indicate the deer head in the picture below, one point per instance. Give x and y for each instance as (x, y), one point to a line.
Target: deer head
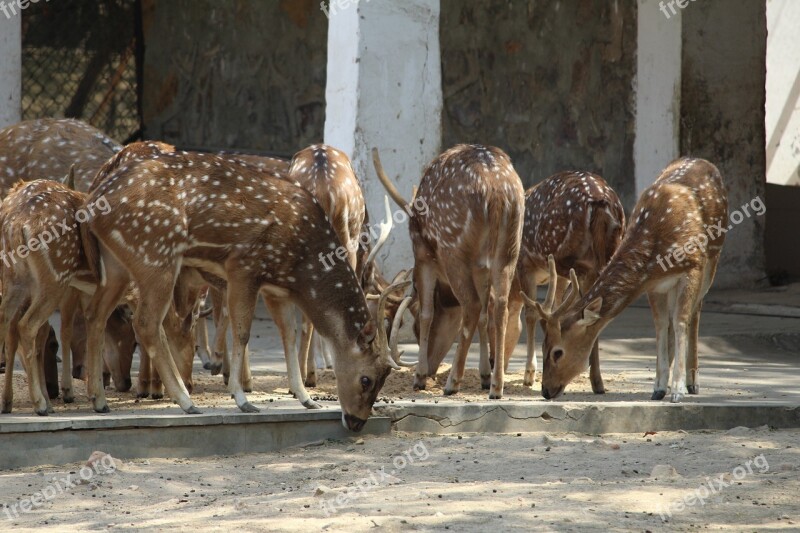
(564, 332)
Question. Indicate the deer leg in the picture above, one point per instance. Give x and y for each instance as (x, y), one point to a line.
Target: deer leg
(530, 361)
(425, 283)
(308, 368)
(68, 307)
(595, 377)
(143, 381)
(47, 352)
(149, 326)
(470, 316)
(28, 326)
(9, 315)
(247, 377)
(514, 324)
(485, 365)
(501, 282)
(241, 308)
(660, 309)
(156, 388)
(691, 356)
(11, 343)
(686, 298)
(220, 352)
(285, 317)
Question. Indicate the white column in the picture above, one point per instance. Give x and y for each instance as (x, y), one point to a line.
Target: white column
(384, 90)
(10, 68)
(658, 88)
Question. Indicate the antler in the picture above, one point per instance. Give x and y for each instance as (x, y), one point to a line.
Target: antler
(387, 183)
(69, 179)
(572, 292)
(386, 228)
(398, 316)
(381, 337)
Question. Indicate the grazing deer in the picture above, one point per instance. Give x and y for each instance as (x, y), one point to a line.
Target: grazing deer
(47, 148)
(466, 245)
(41, 254)
(251, 228)
(576, 218)
(54, 148)
(328, 175)
(670, 251)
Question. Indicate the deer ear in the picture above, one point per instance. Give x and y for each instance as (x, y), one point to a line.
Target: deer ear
(591, 313)
(367, 334)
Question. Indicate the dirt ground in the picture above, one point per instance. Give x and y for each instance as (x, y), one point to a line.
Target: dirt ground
(531, 481)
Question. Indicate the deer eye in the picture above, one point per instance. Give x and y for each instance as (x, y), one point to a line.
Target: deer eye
(557, 353)
(365, 382)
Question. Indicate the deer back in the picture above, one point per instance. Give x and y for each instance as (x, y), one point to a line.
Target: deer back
(576, 217)
(48, 148)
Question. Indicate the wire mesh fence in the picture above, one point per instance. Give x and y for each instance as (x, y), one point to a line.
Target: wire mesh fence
(79, 60)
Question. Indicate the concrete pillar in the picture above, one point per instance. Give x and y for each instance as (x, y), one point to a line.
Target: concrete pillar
(384, 90)
(10, 69)
(658, 89)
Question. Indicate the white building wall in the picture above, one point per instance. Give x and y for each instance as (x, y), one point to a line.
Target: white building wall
(10, 69)
(384, 90)
(783, 92)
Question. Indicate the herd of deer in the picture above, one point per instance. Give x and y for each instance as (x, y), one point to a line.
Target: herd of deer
(180, 227)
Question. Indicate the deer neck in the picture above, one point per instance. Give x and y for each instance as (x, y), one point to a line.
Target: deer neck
(334, 302)
(619, 283)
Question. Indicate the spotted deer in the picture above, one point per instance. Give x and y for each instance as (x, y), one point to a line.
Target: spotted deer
(52, 149)
(42, 260)
(466, 245)
(47, 148)
(670, 251)
(328, 175)
(257, 232)
(576, 218)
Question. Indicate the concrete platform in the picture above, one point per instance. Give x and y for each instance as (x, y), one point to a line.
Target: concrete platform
(750, 376)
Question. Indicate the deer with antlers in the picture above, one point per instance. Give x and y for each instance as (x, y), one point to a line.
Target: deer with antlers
(670, 251)
(577, 220)
(256, 231)
(466, 247)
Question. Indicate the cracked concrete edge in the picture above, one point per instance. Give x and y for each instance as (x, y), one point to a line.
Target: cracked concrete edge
(267, 434)
(591, 419)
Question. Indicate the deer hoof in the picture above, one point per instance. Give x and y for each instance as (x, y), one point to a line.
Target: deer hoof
(69, 397)
(419, 382)
(486, 382)
(694, 389)
(247, 387)
(2, 368)
(226, 378)
(52, 390)
(157, 395)
(248, 407)
(658, 395)
(41, 412)
(450, 391)
(599, 389)
(207, 365)
(310, 382)
(215, 368)
(142, 394)
(676, 397)
(495, 395)
(103, 409)
(192, 410)
(6, 408)
(311, 404)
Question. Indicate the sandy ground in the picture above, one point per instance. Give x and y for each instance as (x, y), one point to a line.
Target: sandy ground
(531, 481)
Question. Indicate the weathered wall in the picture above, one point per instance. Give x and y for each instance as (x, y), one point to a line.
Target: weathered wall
(10, 70)
(722, 117)
(246, 74)
(549, 82)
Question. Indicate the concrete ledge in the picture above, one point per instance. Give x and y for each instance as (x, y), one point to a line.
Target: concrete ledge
(32, 441)
(617, 417)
